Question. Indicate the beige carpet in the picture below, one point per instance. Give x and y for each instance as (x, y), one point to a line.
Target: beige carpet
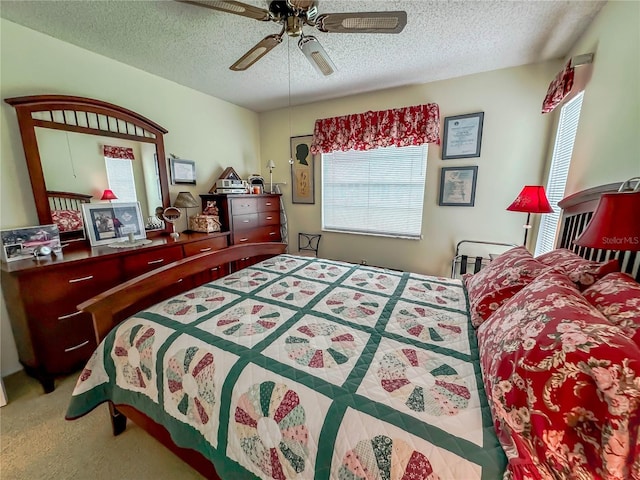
(38, 443)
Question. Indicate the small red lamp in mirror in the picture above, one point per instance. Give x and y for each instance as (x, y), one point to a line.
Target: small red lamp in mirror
(615, 224)
(532, 199)
(108, 195)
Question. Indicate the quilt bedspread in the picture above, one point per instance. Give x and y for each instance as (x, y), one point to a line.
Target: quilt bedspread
(309, 369)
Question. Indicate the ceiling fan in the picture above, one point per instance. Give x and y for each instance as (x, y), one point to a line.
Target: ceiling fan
(293, 15)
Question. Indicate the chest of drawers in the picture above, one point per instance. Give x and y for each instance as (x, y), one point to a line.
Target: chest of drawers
(249, 218)
(52, 336)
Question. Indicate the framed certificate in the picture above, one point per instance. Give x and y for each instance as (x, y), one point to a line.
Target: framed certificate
(462, 136)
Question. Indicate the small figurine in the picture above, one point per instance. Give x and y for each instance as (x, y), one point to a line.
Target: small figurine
(211, 209)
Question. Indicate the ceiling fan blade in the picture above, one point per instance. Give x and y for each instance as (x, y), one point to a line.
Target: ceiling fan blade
(263, 47)
(362, 22)
(314, 52)
(231, 6)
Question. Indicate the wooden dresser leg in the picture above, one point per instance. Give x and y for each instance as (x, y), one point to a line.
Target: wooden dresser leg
(118, 420)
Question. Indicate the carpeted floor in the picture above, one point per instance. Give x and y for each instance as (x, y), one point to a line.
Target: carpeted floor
(38, 443)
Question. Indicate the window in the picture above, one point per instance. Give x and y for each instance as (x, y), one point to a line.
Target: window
(374, 192)
(560, 161)
(120, 178)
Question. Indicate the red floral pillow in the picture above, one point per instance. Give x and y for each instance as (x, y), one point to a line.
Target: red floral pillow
(617, 296)
(67, 220)
(562, 384)
(580, 270)
(498, 281)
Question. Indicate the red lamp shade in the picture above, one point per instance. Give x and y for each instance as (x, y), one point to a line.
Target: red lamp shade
(615, 225)
(108, 195)
(532, 199)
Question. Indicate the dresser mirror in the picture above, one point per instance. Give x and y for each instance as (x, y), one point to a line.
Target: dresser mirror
(64, 138)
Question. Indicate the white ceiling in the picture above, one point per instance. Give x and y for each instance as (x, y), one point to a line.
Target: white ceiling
(194, 46)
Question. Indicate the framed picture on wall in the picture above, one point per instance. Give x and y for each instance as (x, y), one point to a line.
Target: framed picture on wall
(462, 136)
(458, 186)
(182, 171)
(302, 175)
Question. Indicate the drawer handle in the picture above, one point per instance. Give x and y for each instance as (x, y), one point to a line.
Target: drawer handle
(268, 204)
(205, 249)
(269, 218)
(80, 345)
(180, 280)
(153, 262)
(244, 239)
(272, 233)
(245, 221)
(246, 205)
(75, 280)
(215, 268)
(64, 317)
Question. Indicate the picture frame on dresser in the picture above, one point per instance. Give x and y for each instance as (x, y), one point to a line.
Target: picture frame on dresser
(106, 223)
(22, 243)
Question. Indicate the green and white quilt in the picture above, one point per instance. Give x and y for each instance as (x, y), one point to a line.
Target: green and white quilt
(308, 369)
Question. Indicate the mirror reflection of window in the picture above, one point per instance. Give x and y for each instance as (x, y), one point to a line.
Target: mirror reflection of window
(120, 178)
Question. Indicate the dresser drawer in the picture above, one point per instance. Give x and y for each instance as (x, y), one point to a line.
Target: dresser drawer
(245, 222)
(260, 234)
(269, 218)
(242, 205)
(268, 204)
(67, 345)
(72, 285)
(140, 263)
(202, 246)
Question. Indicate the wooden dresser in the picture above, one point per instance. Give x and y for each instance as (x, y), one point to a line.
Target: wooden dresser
(249, 218)
(52, 336)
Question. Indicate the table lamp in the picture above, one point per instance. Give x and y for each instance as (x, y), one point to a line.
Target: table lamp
(185, 200)
(271, 166)
(108, 195)
(532, 199)
(615, 224)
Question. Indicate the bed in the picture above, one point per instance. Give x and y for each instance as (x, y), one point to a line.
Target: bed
(298, 367)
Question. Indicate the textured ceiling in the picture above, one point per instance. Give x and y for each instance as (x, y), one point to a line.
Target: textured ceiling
(194, 46)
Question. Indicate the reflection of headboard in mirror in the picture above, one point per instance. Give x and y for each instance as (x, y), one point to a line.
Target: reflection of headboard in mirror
(84, 116)
(66, 212)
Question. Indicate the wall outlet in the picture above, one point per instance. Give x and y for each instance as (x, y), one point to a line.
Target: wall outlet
(363, 262)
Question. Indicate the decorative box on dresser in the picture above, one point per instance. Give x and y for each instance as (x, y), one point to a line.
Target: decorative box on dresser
(41, 296)
(249, 218)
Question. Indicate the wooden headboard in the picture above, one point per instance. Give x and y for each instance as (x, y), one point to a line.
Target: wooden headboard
(68, 201)
(577, 210)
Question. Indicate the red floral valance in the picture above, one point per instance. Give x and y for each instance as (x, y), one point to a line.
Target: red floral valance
(398, 127)
(118, 152)
(559, 88)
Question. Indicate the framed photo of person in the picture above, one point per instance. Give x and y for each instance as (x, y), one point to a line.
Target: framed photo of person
(458, 186)
(302, 170)
(462, 136)
(112, 222)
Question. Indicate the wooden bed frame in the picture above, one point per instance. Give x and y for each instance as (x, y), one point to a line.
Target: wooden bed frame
(105, 308)
(68, 201)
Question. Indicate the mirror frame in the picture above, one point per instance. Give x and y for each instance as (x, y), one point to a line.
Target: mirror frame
(81, 115)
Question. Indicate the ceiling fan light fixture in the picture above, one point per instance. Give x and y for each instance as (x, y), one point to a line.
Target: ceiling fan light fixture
(316, 55)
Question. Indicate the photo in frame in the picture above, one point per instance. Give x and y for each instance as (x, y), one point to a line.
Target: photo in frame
(21, 243)
(182, 171)
(458, 186)
(462, 136)
(302, 170)
(111, 222)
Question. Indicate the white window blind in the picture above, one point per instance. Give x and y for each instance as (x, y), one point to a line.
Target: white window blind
(120, 178)
(560, 161)
(374, 192)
